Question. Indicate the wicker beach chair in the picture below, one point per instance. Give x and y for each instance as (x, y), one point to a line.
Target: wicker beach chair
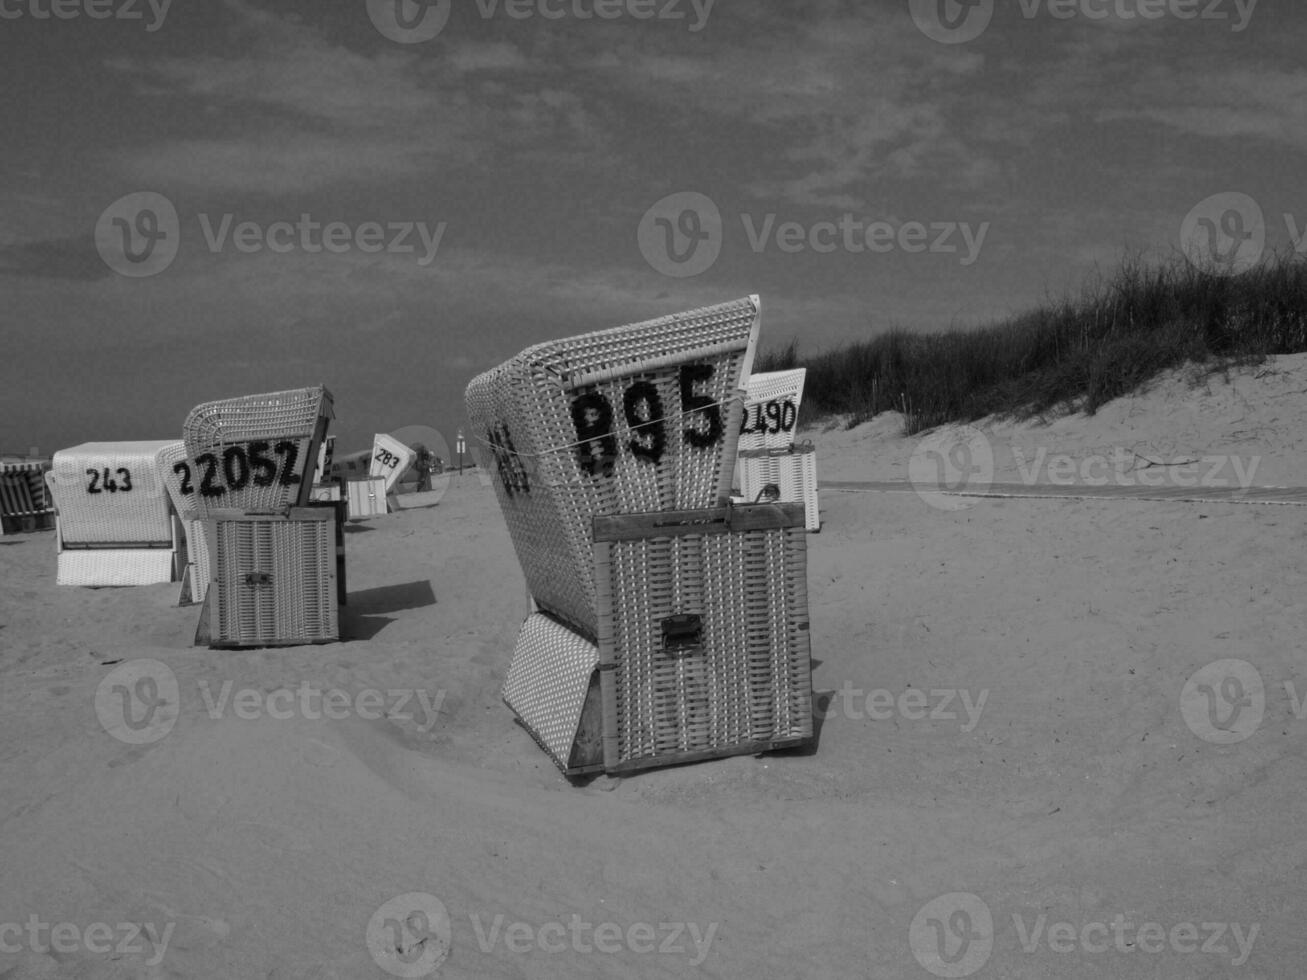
(115, 522)
(771, 409)
(634, 419)
(195, 576)
(25, 503)
(255, 452)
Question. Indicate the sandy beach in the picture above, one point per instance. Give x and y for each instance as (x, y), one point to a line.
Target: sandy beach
(1002, 733)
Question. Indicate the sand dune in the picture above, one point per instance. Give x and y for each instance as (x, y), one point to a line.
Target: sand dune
(1045, 765)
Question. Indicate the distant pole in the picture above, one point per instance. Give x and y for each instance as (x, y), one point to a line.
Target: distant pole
(461, 446)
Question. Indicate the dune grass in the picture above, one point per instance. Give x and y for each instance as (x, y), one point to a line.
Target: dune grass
(1073, 354)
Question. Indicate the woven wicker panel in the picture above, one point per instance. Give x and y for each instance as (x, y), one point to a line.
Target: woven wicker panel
(792, 472)
(297, 601)
(115, 566)
(539, 414)
(256, 452)
(747, 680)
(547, 681)
(129, 506)
(367, 497)
(771, 409)
(197, 557)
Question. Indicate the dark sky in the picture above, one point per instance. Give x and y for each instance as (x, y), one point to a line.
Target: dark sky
(208, 198)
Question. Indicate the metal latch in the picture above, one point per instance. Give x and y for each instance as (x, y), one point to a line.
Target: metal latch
(683, 633)
(258, 578)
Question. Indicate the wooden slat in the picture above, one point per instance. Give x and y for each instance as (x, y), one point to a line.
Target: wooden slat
(717, 520)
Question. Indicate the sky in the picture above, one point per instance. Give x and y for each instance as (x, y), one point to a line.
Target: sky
(201, 199)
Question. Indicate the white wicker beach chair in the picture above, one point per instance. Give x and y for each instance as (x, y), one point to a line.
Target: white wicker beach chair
(115, 523)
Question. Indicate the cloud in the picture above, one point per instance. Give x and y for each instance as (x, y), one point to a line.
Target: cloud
(56, 258)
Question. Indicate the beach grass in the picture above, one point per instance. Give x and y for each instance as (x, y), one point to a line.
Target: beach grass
(1072, 354)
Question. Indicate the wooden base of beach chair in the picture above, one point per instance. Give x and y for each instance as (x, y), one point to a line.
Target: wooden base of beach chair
(702, 652)
(273, 579)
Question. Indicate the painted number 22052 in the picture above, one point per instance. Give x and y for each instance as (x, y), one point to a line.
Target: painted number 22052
(240, 466)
